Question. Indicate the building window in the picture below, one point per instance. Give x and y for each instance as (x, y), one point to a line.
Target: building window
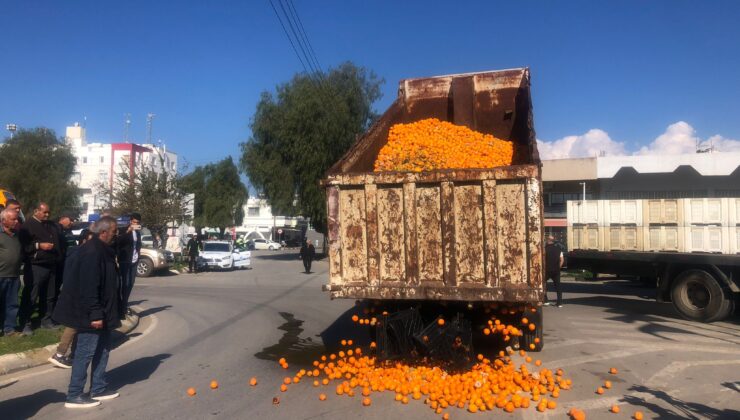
(557, 198)
(102, 159)
(84, 159)
(253, 211)
(85, 206)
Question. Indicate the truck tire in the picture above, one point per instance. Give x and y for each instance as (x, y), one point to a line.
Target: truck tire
(698, 296)
(144, 267)
(528, 337)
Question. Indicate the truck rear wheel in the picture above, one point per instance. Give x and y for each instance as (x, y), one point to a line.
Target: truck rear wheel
(533, 340)
(698, 296)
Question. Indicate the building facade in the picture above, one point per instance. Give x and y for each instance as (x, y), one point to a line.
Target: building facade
(99, 163)
(695, 175)
(260, 222)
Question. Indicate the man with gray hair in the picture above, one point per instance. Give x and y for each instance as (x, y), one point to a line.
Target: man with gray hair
(10, 270)
(91, 304)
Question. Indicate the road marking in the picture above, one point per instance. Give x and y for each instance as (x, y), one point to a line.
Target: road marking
(603, 356)
(661, 336)
(150, 328)
(661, 377)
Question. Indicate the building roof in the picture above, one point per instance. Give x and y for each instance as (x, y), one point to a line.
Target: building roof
(706, 164)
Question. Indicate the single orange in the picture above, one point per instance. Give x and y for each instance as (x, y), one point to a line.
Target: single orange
(322, 397)
(253, 381)
(638, 415)
(366, 402)
(283, 388)
(599, 390)
(191, 391)
(607, 384)
(441, 322)
(214, 384)
(613, 371)
(615, 409)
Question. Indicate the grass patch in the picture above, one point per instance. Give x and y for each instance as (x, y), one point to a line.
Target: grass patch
(578, 274)
(41, 337)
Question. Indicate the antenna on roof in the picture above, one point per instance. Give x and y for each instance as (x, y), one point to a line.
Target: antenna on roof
(126, 126)
(149, 119)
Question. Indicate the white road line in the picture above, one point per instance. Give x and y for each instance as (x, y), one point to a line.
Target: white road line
(661, 336)
(662, 377)
(572, 361)
(148, 329)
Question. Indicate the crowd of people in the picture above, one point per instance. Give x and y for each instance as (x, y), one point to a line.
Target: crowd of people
(81, 283)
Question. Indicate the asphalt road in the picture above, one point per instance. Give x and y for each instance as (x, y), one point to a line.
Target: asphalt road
(230, 326)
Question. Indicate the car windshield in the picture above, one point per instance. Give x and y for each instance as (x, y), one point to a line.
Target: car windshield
(215, 247)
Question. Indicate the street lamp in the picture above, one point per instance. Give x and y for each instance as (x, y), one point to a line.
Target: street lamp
(12, 128)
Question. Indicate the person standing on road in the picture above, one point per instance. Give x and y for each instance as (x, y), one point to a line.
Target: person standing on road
(308, 252)
(192, 249)
(128, 246)
(89, 303)
(10, 270)
(553, 262)
(40, 240)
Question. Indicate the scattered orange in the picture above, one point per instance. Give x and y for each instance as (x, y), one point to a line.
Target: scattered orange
(253, 381)
(599, 390)
(607, 384)
(191, 391)
(615, 409)
(441, 322)
(283, 388)
(366, 402)
(613, 371)
(322, 397)
(638, 415)
(214, 384)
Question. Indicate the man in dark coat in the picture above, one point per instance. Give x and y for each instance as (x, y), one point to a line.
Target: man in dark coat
(193, 247)
(40, 240)
(553, 262)
(128, 247)
(90, 303)
(308, 252)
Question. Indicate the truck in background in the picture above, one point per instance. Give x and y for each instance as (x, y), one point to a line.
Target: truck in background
(689, 248)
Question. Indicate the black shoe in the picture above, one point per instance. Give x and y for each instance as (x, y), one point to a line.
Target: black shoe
(105, 395)
(60, 361)
(82, 401)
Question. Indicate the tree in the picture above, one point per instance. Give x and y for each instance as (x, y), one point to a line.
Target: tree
(299, 132)
(37, 166)
(220, 194)
(154, 192)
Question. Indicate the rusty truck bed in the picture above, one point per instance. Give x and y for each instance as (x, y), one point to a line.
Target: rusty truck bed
(464, 234)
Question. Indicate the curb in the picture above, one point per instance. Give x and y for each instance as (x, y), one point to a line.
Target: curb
(10, 363)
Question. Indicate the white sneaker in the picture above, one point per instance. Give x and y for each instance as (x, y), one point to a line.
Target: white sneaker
(107, 395)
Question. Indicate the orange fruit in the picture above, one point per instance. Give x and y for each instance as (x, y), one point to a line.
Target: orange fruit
(607, 384)
(322, 397)
(214, 384)
(532, 327)
(366, 402)
(253, 381)
(441, 322)
(315, 383)
(615, 409)
(532, 346)
(349, 342)
(638, 415)
(599, 390)
(355, 318)
(613, 371)
(283, 388)
(551, 405)
(191, 391)
(446, 416)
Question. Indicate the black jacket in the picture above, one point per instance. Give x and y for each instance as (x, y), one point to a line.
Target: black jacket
(91, 288)
(125, 246)
(308, 252)
(34, 232)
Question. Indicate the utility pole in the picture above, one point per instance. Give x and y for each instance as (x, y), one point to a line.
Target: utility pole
(12, 128)
(149, 119)
(126, 126)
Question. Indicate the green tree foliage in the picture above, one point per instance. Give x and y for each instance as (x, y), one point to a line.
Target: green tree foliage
(156, 194)
(220, 194)
(37, 166)
(303, 129)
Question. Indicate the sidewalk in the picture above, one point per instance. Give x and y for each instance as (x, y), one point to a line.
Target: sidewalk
(10, 363)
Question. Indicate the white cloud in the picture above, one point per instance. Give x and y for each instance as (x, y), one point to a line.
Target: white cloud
(678, 138)
(590, 144)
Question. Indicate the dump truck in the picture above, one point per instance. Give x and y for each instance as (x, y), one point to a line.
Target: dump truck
(688, 248)
(466, 236)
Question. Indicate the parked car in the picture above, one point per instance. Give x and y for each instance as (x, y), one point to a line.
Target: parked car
(223, 255)
(152, 260)
(266, 244)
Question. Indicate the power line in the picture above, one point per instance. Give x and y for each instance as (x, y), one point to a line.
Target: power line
(289, 38)
(297, 37)
(302, 30)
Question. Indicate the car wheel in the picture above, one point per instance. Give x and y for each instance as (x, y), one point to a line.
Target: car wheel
(271, 248)
(144, 267)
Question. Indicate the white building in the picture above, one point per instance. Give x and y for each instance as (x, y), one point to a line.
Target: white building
(260, 222)
(97, 164)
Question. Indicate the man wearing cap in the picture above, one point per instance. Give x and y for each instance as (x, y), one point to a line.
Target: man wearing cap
(128, 245)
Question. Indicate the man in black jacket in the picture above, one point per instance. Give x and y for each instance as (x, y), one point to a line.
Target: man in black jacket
(40, 240)
(128, 246)
(553, 262)
(90, 303)
(308, 252)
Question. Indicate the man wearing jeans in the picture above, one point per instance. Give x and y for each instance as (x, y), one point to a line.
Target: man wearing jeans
(553, 263)
(89, 303)
(10, 270)
(128, 246)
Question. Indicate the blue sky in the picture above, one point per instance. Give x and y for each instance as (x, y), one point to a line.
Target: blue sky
(612, 76)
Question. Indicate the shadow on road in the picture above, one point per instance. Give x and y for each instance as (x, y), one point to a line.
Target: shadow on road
(29, 405)
(680, 409)
(285, 256)
(609, 287)
(150, 311)
(135, 371)
(299, 351)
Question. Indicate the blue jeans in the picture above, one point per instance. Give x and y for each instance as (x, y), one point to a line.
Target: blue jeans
(128, 276)
(91, 346)
(9, 297)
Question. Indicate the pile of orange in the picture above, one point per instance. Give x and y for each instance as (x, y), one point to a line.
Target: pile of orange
(433, 144)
